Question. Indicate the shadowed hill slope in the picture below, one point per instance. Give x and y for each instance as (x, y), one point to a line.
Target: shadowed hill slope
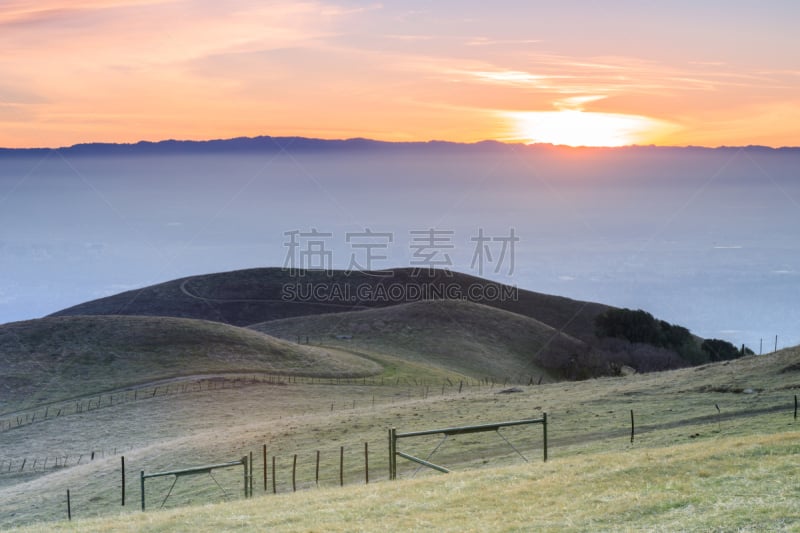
(55, 358)
(474, 339)
(253, 296)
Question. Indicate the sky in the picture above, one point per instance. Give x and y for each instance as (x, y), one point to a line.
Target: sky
(580, 73)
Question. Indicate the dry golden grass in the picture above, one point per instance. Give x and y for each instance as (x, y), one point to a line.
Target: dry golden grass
(588, 421)
(466, 337)
(738, 484)
(52, 359)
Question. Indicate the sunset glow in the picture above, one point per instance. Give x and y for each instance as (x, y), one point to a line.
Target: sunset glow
(579, 128)
(571, 73)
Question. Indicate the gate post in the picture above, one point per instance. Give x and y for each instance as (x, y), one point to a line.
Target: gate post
(244, 464)
(392, 453)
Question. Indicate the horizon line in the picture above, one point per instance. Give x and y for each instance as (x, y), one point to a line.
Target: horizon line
(146, 142)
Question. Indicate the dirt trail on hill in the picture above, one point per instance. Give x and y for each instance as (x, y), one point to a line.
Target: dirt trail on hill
(187, 292)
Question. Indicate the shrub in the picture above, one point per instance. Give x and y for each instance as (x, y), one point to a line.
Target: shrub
(719, 350)
(640, 327)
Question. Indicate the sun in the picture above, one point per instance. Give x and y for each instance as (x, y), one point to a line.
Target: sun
(575, 127)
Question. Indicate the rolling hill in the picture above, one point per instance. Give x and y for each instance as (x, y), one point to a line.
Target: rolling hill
(471, 338)
(56, 358)
(702, 434)
(253, 296)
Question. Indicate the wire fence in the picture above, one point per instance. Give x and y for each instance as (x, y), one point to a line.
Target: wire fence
(29, 465)
(421, 388)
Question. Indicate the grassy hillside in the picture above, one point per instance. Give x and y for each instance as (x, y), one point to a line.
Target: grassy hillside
(722, 432)
(738, 484)
(474, 339)
(253, 296)
(61, 357)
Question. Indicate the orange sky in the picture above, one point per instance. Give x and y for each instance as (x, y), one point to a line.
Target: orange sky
(722, 73)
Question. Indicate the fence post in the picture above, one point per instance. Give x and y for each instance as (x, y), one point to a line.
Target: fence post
(141, 481)
(366, 463)
(250, 474)
(392, 444)
(632, 426)
(264, 449)
(544, 434)
(316, 475)
(244, 464)
(294, 471)
(123, 480)
(795, 406)
(69, 507)
(341, 466)
(274, 475)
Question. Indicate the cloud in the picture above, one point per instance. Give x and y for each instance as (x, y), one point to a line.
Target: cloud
(54, 11)
(488, 41)
(577, 102)
(136, 33)
(513, 77)
(88, 70)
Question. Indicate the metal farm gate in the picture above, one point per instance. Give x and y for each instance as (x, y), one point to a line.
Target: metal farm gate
(394, 436)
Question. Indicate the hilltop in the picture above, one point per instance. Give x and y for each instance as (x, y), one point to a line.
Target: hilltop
(253, 296)
(506, 332)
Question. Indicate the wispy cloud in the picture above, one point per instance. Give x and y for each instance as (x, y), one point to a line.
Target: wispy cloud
(514, 77)
(577, 102)
(488, 41)
(91, 67)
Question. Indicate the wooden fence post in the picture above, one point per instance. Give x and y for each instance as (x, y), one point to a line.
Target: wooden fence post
(632, 426)
(123, 480)
(392, 456)
(294, 471)
(366, 463)
(544, 434)
(274, 472)
(264, 450)
(69, 507)
(341, 466)
(316, 476)
(244, 464)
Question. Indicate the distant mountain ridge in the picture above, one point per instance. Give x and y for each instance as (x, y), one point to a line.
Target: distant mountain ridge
(266, 143)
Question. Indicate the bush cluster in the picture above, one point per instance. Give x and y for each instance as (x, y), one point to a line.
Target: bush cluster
(640, 327)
